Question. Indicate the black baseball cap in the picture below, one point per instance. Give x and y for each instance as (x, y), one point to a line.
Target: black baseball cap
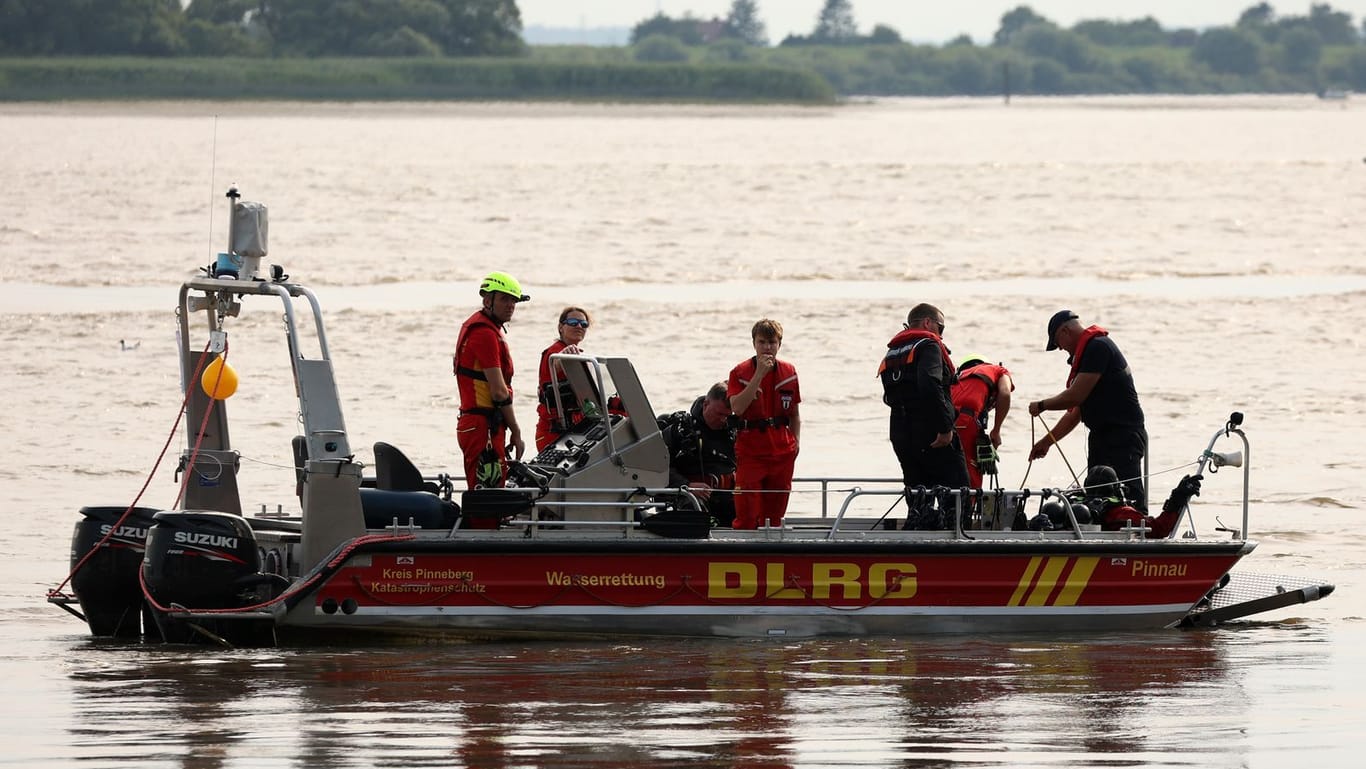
(1054, 323)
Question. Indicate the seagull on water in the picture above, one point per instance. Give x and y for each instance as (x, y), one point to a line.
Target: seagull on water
(125, 347)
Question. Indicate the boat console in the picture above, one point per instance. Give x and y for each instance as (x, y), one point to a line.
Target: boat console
(573, 450)
(588, 472)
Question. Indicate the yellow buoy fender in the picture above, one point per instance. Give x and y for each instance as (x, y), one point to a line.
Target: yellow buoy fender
(219, 380)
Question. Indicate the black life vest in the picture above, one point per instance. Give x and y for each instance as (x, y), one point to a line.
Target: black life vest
(898, 381)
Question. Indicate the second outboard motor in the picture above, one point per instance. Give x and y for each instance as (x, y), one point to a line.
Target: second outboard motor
(206, 560)
(107, 584)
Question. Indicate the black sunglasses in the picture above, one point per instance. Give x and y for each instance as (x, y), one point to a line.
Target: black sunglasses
(575, 322)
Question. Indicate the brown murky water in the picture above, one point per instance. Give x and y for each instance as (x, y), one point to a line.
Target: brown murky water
(1216, 238)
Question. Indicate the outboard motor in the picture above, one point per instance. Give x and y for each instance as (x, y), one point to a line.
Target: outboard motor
(206, 560)
(107, 584)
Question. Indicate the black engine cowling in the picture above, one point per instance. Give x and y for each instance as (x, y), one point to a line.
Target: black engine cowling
(106, 585)
(205, 560)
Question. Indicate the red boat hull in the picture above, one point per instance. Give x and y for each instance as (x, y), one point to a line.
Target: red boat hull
(729, 589)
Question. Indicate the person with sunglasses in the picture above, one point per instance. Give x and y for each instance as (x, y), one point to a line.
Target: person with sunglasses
(571, 329)
(917, 375)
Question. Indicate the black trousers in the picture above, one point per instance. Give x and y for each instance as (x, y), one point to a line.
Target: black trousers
(927, 467)
(1122, 448)
(721, 505)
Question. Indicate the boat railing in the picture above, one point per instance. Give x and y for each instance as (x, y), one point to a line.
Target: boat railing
(1002, 503)
(976, 514)
(632, 504)
(1211, 461)
(824, 484)
(973, 510)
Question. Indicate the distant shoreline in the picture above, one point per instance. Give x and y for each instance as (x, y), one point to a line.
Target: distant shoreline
(397, 79)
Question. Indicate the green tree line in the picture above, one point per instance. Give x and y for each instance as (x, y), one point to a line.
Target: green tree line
(306, 28)
(336, 49)
(396, 78)
(1260, 51)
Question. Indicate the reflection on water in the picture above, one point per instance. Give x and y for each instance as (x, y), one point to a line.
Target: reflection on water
(704, 703)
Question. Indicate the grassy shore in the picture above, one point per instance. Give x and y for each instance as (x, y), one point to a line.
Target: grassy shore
(32, 79)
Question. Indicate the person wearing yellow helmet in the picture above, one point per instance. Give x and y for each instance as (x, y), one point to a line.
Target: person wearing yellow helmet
(982, 387)
(502, 283)
(483, 374)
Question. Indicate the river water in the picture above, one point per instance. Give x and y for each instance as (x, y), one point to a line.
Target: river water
(1217, 238)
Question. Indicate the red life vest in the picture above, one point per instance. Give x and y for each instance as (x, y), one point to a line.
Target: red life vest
(765, 426)
(1086, 336)
(972, 398)
(469, 373)
(545, 394)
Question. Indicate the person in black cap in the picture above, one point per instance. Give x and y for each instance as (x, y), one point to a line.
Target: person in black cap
(1100, 393)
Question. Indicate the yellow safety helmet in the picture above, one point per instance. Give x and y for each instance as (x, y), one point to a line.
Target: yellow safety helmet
(971, 360)
(503, 283)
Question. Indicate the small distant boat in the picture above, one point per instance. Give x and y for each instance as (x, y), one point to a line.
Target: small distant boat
(591, 542)
(1334, 94)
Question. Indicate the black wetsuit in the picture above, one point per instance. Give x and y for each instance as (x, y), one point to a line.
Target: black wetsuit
(917, 390)
(698, 453)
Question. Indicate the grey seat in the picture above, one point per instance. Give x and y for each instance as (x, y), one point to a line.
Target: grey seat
(395, 472)
(300, 446)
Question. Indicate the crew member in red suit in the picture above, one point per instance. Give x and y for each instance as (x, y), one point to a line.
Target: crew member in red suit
(764, 395)
(573, 327)
(483, 374)
(982, 387)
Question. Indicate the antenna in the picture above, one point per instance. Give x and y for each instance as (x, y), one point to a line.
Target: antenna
(213, 179)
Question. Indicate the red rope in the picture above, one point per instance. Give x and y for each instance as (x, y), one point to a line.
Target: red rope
(293, 590)
(194, 452)
(204, 423)
(184, 403)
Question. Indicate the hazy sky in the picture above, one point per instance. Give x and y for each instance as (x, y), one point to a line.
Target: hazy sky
(918, 20)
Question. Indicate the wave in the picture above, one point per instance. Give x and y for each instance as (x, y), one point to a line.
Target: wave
(1321, 501)
(113, 471)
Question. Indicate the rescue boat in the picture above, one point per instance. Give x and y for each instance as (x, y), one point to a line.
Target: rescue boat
(588, 540)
